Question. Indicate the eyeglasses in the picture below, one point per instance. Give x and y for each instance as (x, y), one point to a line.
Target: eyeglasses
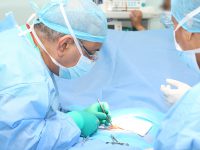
(88, 53)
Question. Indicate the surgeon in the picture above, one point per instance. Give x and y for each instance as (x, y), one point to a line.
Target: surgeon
(64, 39)
(180, 127)
(165, 18)
(174, 90)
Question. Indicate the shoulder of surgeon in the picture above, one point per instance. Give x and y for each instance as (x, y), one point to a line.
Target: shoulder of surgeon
(20, 62)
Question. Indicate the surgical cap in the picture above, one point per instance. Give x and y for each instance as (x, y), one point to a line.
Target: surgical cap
(85, 17)
(181, 8)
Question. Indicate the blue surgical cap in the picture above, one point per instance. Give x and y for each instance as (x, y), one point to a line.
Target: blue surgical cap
(181, 8)
(85, 17)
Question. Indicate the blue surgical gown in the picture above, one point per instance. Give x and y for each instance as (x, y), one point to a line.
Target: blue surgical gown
(29, 116)
(180, 129)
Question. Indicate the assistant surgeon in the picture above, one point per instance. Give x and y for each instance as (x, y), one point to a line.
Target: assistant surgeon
(180, 127)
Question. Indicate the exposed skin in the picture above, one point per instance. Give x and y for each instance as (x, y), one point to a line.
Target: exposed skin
(136, 16)
(136, 20)
(167, 5)
(187, 40)
(64, 51)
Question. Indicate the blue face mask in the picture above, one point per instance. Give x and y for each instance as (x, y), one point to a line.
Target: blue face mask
(82, 67)
(189, 56)
(190, 59)
(166, 20)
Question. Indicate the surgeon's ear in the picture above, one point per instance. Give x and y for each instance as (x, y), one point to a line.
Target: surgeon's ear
(63, 44)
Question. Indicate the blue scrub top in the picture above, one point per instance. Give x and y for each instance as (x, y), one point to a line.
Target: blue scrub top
(28, 100)
(180, 128)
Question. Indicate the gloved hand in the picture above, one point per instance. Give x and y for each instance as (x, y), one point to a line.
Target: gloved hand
(174, 90)
(98, 112)
(87, 122)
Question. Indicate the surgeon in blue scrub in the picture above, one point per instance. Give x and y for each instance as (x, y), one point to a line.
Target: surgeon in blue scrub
(180, 128)
(63, 39)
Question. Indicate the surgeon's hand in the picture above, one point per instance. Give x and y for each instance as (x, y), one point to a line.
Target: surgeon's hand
(136, 19)
(87, 122)
(174, 90)
(98, 112)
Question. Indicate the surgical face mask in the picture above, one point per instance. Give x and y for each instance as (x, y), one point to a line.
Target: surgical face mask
(84, 64)
(188, 56)
(190, 59)
(166, 20)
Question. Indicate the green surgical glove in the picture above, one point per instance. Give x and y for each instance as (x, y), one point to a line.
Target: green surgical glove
(87, 122)
(98, 112)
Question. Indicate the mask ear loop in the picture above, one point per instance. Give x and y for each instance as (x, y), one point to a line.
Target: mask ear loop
(36, 38)
(44, 48)
(70, 28)
(24, 33)
(183, 21)
(72, 32)
(188, 17)
(32, 17)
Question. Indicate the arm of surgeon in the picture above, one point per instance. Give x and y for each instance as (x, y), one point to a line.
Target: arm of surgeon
(28, 120)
